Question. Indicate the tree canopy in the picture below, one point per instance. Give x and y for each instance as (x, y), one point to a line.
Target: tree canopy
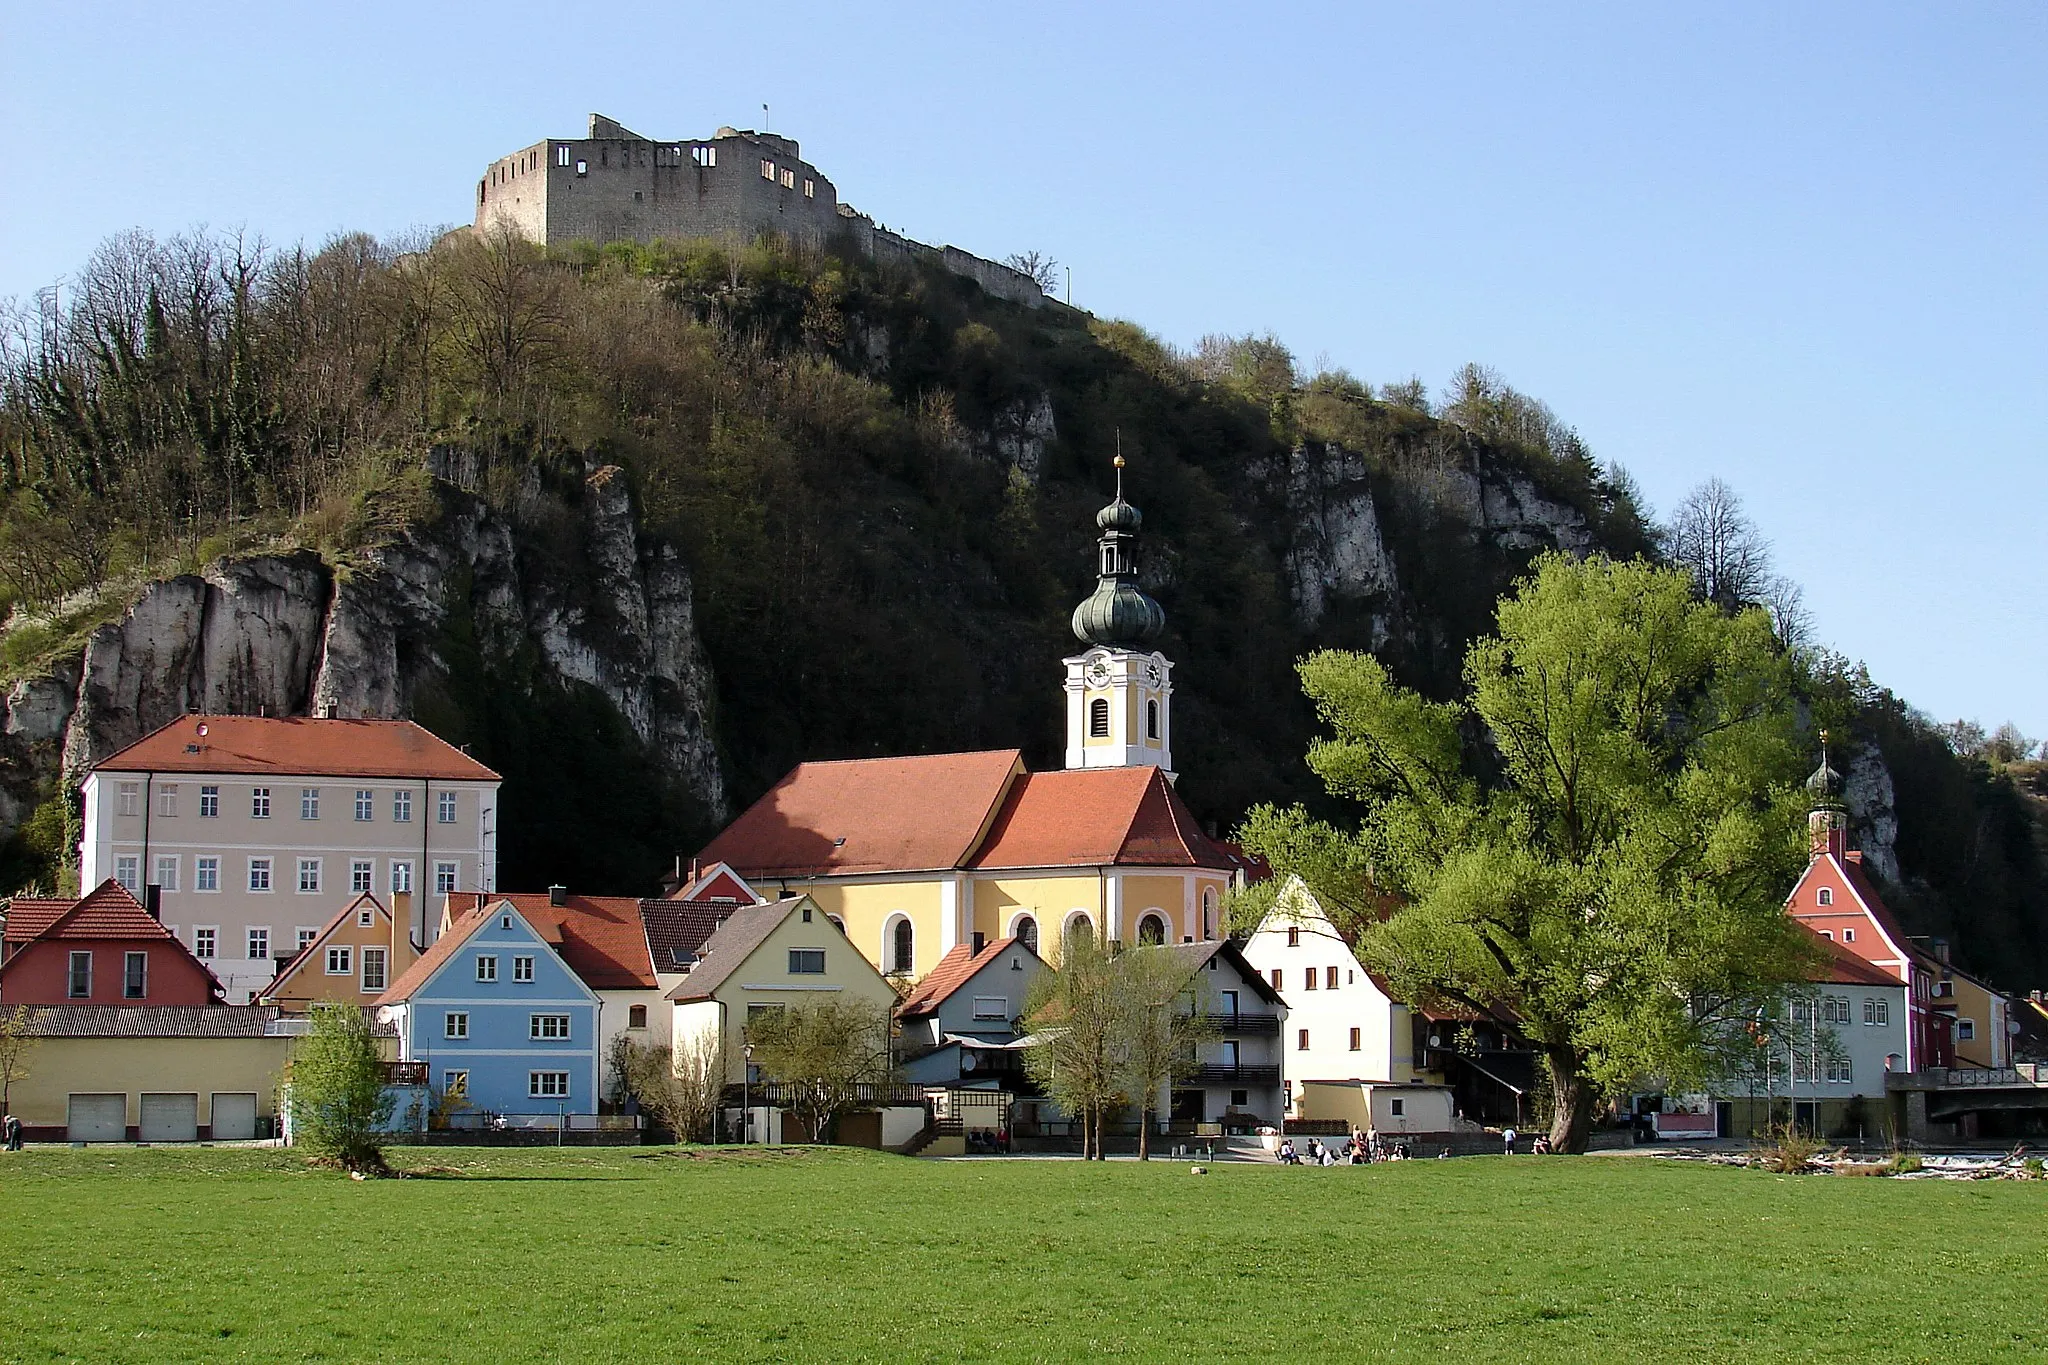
(1592, 845)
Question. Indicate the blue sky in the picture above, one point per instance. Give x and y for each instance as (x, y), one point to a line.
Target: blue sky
(1799, 247)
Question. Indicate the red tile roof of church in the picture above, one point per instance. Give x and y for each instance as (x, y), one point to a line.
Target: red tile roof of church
(1092, 817)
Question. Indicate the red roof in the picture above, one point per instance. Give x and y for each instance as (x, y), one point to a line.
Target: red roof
(29, 916)
(868, 815)
(107, 913)
(954, 970)
(1846, 968)
(1254, 868)
(1091, 817)
(426, 964)
(297, 747)
(601, 938)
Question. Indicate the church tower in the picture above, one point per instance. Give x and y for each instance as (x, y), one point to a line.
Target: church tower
(1119, 691)
(1827, 823)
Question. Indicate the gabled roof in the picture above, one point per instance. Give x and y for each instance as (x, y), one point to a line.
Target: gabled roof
(25, 917)
(677, 930)
(151, 1021)
(746, 928)
(107, 911)
(298, 960)
(1849, 872)
(715, 880)
(601, 938)
(959, 966)
(916, 814)
(279, 746)
(1093, 817)
(1844, 967)
(1198, 955)
(424, 966)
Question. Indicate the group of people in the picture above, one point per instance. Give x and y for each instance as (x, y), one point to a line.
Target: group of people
(1362, 1149)
(1540, 1147)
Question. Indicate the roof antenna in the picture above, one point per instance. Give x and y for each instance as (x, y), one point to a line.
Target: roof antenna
(1119, 463)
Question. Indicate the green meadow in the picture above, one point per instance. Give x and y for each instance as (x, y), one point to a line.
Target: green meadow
(154, 1255)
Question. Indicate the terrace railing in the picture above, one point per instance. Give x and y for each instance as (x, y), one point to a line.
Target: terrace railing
(1236, 1075)
(1267, 1025)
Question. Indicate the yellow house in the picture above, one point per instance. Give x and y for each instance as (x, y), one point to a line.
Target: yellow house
(1982, 1016)
(157, 1073)
(353, 959)
(912, 857)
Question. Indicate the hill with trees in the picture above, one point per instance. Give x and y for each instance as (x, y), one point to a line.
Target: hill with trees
(646, 525)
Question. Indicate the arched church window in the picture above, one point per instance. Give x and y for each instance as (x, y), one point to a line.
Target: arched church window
(1151, 720)
(1098, 718)
(838, 923)
(901, 945)
(1078, 926)
(1152, 929)
(1026, 932)
(1208, 913)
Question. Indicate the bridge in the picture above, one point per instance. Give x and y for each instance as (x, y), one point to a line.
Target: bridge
(1970, 1102)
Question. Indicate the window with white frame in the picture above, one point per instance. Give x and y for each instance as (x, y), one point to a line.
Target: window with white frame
(789, 180)
(360, 873)
(455, 1082)
(1966, 1030)
(206, 872)
(548, 1026)
(522, 969)
(1848, 936)
(128, 872)
(546, 1085)
(209, 803)
(203, 941)
(259, 803)
(309, 874)
(365, 917)
(562, 160)
(991, 1007)
(704, 156)
(78, 980)
(135, 976)
(810, 188)
(341, 960)
(444, 878)
(307, 933)
(455, 1024)
(486, 967)
(259, 943)
(167, 871)
(309, 803)
(259, 874)
(130, 798)
(401, 877)
(1840, 1071)
(401, 807)
(1826, 896)
(375, 969)
(167, 801)
(445, 808)
(366, 804)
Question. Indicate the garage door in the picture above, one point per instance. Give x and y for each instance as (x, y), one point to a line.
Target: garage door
(234, 1118)
(170, 1118)
(97, 1118)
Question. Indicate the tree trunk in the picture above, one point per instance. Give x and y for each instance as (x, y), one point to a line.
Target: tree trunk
(1571, 1119)
(1087, 1130)
(1144, 1132)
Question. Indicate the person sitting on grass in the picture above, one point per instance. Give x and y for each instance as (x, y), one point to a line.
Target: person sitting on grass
(1287, 1153)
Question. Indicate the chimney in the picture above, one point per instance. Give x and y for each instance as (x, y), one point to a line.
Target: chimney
(558, 894)
(153, 900)
(980, 941)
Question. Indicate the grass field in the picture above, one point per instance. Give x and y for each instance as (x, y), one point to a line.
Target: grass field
(173, 1255)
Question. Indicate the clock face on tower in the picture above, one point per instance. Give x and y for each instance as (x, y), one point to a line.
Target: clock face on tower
(1152, 673)
(1098, 672)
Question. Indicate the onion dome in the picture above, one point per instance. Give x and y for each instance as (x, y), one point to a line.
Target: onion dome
(1825, 786)
(1119, 614)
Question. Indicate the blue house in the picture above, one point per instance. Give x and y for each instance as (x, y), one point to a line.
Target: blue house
(497, 1016)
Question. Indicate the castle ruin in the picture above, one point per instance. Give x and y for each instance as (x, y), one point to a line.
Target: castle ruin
(617, 186)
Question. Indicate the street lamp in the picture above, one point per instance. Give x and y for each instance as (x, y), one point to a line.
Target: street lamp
(745, 1075)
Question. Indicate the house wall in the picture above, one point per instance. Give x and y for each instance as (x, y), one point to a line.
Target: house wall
(500, 1052)
(1385, 1049)
(764, 980)
(311, 981)
(173, 829)
(1424, 1109)
(1051, 899)
(61, 1067)
(869, 908)
(615, 1014)
(40, 974)
(1989, 1014)
(996, 979)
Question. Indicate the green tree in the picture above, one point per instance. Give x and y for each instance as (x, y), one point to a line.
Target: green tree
(823, 1055)
(1591, 847)
(1162, 1010)
(339, 1103)
(1073, 1018)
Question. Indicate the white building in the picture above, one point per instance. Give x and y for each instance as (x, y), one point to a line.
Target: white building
(1341, 1026)
(249, 832)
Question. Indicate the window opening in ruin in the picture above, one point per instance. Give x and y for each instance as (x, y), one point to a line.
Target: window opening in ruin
(810, 189)
(636, 196)
(561, 156)
(767, 169)
(583, 168)
(604, 156)
(704, 156)
(789, 180)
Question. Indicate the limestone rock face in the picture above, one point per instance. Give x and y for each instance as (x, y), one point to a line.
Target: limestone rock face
(1021, 431)
(286, 634)
(1337, 547)
(1873, 818)
(1518, 517)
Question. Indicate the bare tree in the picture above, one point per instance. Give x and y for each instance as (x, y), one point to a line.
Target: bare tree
(1162, 1025)
(1711, 538)
(1043, 269)
(16, 1043)
(823, 1055)
(680, 1087)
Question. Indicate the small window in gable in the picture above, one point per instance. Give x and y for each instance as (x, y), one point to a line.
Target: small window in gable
(1848, 936)
(1826, 896)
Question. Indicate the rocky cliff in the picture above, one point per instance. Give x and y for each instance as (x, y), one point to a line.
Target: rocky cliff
(379, 635)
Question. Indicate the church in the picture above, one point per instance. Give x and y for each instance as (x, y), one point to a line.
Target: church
(912, 856)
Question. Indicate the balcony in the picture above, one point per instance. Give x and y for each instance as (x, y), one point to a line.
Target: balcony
(405, 1073)
(1245, 1076)
(1267, 1025)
